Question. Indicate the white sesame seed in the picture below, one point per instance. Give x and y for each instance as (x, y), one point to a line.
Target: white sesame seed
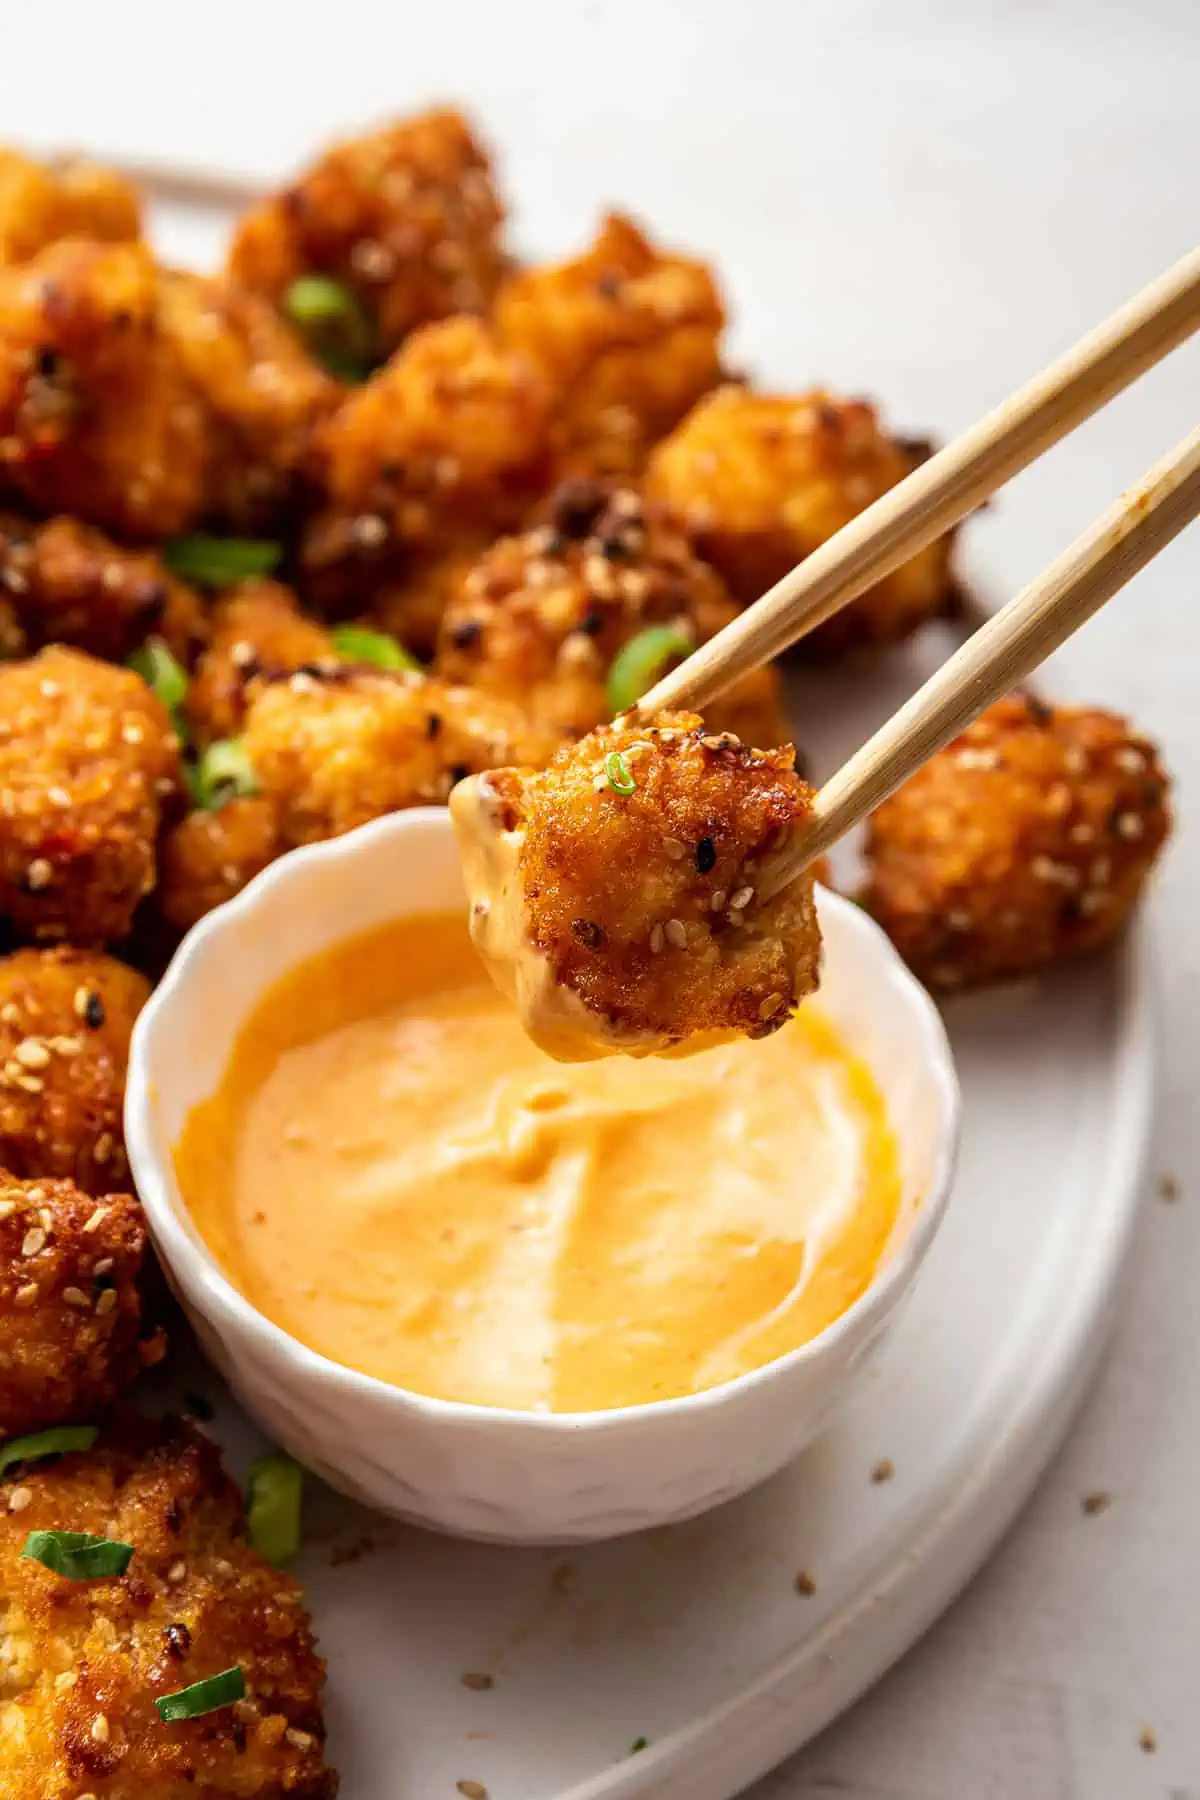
(19, 1499)
(1130, 826)
(74, 1296)
(599, 783)
(1083, 833)
(676, 935)
(299, 1740)
(770, 1006)
(741, 899)
(66, 1681)
(177, 1572)
(100, 1729)
(1075, 760)
(1132, 761)
(10, 1013)
(103, 1147)
(656, 938)
(105, 1302)
(1100, 871)
(1059, 874)
(7, 1209)
(97, 1219)
(736, 918)
(673, 848)
(1091, 902)
(104, 1266)
(132, 733)
(39, 874)
(25, 1296)
(33, 1241)
(958, 920)
(32, 1053)
(718, 900)
(977, 759)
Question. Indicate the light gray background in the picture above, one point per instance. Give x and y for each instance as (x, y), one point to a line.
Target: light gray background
(923, 200)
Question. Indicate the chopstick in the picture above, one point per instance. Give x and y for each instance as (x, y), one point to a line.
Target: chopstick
(989, 664)
(947, 487)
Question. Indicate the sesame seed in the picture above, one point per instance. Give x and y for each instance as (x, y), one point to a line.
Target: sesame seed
(718, 900)
(1060, 874)
(472, 1790)
(736, 918)
(1092, 1504)
(1148, 1740)
(599, 783)
(74, 1296)
(132, 732)
(19, 1499)
(1083, 833)
(97, 1219)
(770, 1006)
(33, 1241)
(656, 938)
(103, 1147)
(299, 1740)
(38, 875)
(883, 1471)
(676, 935)
(25, 1296)
(1092, 902)
(804, 1584)
(177, 1572)
(1075, 760)
(100, 1729)
(29, 1084)
(958, 919)
(64, 1046)
(1130, 826)
(32, 1053)
(977, 759)
(741, 899)
(1132, 761)
(477, 1682)
(104, 1266)
(1100, 871)
(106, 1302)
(10, 1013)
(66, 1681)
(673, 848)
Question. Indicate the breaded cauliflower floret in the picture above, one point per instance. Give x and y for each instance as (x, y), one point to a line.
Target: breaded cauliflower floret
(539, 618)
(87, 758)
(97, 416)
(257, 628)
(627, 338)
(42, 202)
(406, 215)
(763, 480)
(1028, 839)
(333, 750)
(210, 856)
(84, 1661)
(412, 604)
(71, 584)
(65, 1022)
(70, 1305)
(640, 853)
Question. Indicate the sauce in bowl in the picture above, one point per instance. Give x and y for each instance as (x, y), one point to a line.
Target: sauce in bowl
(393, 1173)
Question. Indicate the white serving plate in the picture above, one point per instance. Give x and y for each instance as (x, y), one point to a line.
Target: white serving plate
(694, 1637)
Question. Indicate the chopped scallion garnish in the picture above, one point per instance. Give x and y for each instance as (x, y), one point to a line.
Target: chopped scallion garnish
(274, 1497)
(620, 779)
(223, 773)
(160, 671)
(358, 644)
(203, 1697)
(331, 320)
(56, 1442)
(78, 1556)
(219, 561)
(639, 663)
(639, 1743)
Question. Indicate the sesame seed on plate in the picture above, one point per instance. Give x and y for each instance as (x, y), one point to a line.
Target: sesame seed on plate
(676, 935)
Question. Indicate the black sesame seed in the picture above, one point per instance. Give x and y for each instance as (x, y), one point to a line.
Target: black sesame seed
(589, 934)
(46, 361)
(199, 1406)
(575, 507)
(706, 855)
(1039, 712)
(179, 1641)
(592, 622)
(1115, 815)
(466, 634)
(433, 725)
(459, 772)
(93, 1011)
(614, 545)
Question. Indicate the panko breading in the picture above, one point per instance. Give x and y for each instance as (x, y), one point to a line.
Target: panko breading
(627, 338)
(763, 480)
(97, 416)
(210, 856)
(65, 1021)
(333, 750)
(539, 618)
(644, 902)
(70, 1306)
(1028, 839)
(411, 605)
(406, 215)
(82, 1663)
(43, 202)
(70, 584)
(87, 759)
(257, 627)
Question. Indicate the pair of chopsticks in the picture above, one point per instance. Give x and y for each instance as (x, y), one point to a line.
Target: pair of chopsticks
(926, 504)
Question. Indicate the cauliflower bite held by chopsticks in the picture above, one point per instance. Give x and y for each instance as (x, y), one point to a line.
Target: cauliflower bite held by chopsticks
(65, 1022)
(762, 481)
(547, 619)
(406, 217)
(627, 337)
(82, 1662)
(88, 757)
(42, 202)
(615, 895)
(70, 1306)
(1028, 839)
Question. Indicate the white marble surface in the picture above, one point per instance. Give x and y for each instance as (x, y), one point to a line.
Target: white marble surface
(921, 199)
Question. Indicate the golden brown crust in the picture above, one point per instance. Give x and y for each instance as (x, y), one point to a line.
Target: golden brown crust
(407, 215)
(763, 480)
(411, 605)
(210, 856)
(333, 751)
(65, 1021)
(627, 338)
(687, 947)
(257, 628)
(84, 1662)
(70, 584)
(70, 1306)
(87, 759)
(42, 202)
(1027, 840)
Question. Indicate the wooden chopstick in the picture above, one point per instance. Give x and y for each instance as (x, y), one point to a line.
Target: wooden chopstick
(943, 490)
(990, 663)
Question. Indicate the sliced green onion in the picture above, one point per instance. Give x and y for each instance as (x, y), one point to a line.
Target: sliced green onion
(331, 320)
(620, 780)
(357, 644)
(275, 1493)
(219, 561)
(78, 1556)
(223, 773)
(160, 672)
(639, 1743)
(639, 663)
(56, 1442)
(203, 1697)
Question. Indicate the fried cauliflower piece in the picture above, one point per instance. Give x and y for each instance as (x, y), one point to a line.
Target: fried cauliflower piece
(257, 627)
(87, 759)
(210, 856)
(763, 480)
(412, 605)
(407, 216)
(70, 584)
(97, 416)
(539, 618)
(333, 749)
(70, 1302)
(43, 202)
(626, 917)
(83, 1662)
(1028, 839)
(627, 338)
(65, 1022)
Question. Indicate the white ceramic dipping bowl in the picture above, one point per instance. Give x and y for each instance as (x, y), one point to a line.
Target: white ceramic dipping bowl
(479, 1471)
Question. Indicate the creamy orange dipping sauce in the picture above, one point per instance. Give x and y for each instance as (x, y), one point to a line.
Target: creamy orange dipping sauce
(393, 1173)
